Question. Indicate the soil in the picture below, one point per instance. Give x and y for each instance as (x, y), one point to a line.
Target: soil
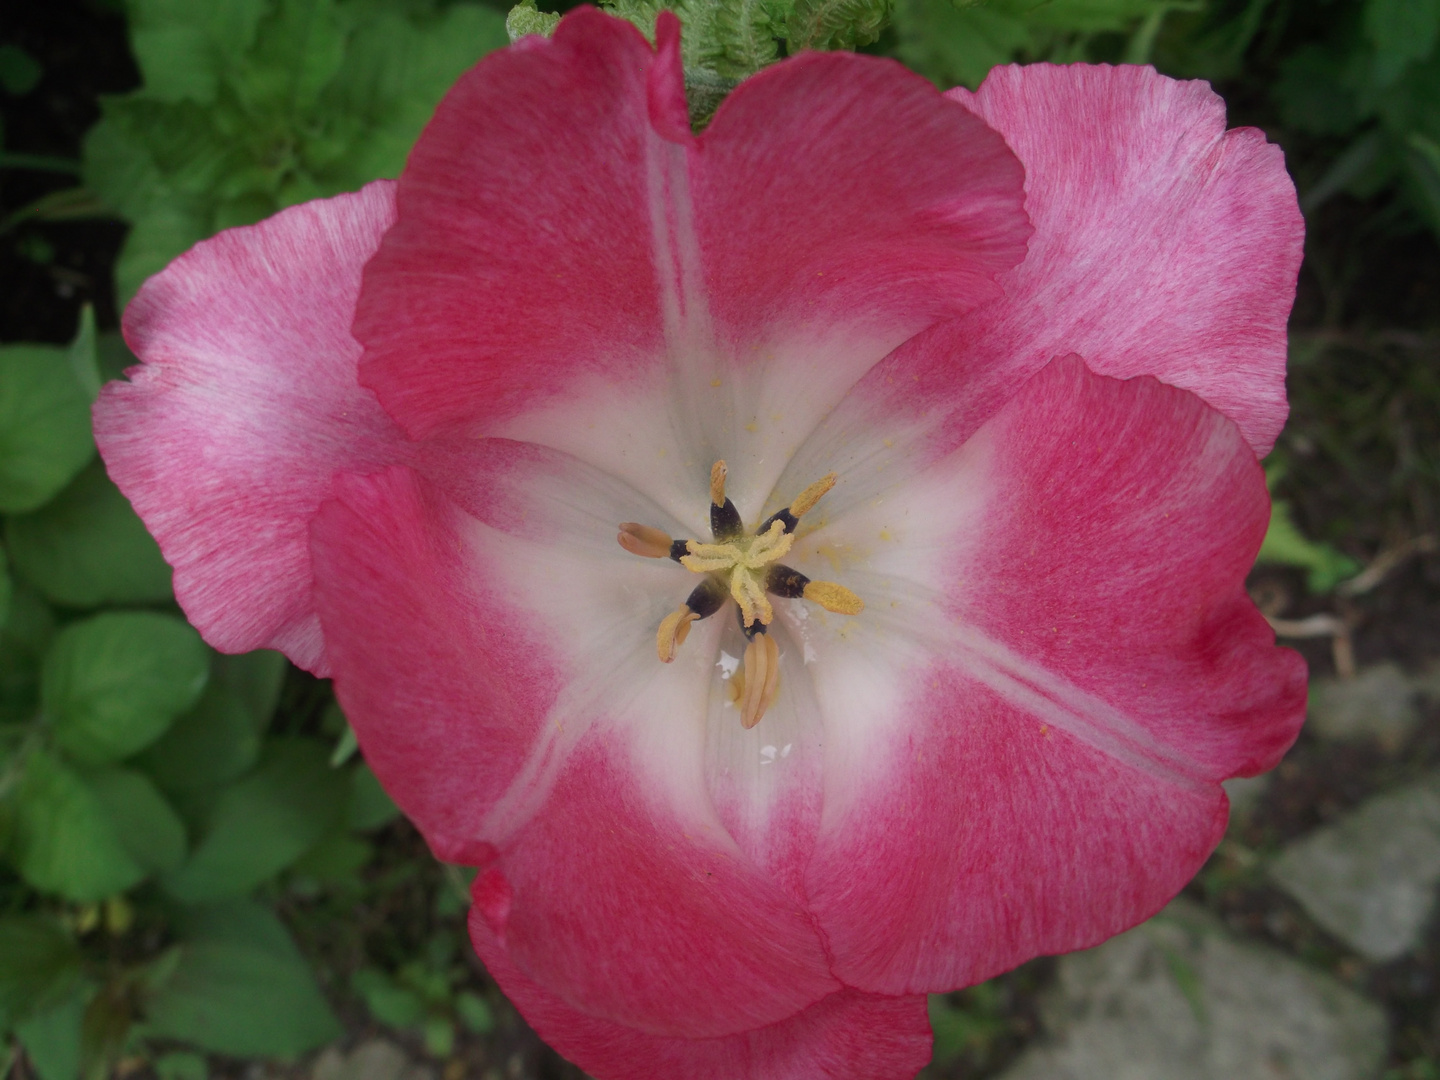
(1363, 447)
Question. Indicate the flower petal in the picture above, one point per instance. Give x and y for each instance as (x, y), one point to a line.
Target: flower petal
(557, 260)
(228, 434)
(1164, 245)
(848, 1035)
(510, 698)
(1057, 664)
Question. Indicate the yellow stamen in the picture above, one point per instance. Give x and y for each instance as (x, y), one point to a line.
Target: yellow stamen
(834, 598)
(741, 560)
(644, 540)
(674, 629)
(811, 495)
(717, 483)
(762, 679)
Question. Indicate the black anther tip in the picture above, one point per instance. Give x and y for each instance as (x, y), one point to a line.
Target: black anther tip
(706, 598)
(725, 522)
(783, 581)
(786, 518)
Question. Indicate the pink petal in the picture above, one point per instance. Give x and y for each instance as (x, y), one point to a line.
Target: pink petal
(227, 435)
(1056, 667)
(849, 1035)
(505, 687)
(1164, 245)
(560, 238)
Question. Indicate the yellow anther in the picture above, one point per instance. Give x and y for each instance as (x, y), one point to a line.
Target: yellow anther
(834, 597)
(812, 494)
(674, 629)
(644, 540)
(717, 483)
(762, 679)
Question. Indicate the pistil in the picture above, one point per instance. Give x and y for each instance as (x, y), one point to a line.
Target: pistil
(748, 570)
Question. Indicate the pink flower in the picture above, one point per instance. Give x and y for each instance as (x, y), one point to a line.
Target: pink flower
(568, 309)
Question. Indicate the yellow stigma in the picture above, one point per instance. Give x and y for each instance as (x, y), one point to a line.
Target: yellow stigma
(740, 559)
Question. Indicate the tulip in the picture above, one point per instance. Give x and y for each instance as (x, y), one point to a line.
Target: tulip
(800, 565)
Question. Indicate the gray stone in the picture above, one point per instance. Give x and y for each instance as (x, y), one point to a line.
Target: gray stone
(1369, 878)
(1245, 792)
(378, 1059)
(1378, 703)
(1178, 998)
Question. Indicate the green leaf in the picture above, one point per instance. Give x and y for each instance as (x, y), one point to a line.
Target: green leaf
(263, 823)
(396, 70)
(369, 807)
(144, 822)
(965, 1023)
(19, 71)
(837, 24)
(1422, 161)
(524, 18)
(39, 963)
(181, 1065)
(952, 47)
(1285, 545)
(166, 229)
(241, 987)
(184, 47)
(86, 547)
(745, 33)
(387, 1001)
(111, 684)
(214, 743)
(44, 419)
(299, 48)
(439, 1036)
(117, 167)
(53, 1037)
(1401, 31)
(24, 638)
(1312, 93)
(335, 860)
(64, 840)
(7, 586)
(474, 1013)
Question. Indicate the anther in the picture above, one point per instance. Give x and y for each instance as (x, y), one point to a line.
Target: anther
(833, 597)
(725, 520)
(811, 495)
(674, 629)
(762, 679)
(800, 505)
(643, 540)
(717, 483)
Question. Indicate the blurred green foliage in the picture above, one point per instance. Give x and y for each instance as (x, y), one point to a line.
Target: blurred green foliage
(146, 800)
(249, 106)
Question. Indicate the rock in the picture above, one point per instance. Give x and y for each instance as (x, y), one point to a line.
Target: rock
(1245, 792)
(1378, 704)
(377, 1059)
(1369, 878)
(1179, 998)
